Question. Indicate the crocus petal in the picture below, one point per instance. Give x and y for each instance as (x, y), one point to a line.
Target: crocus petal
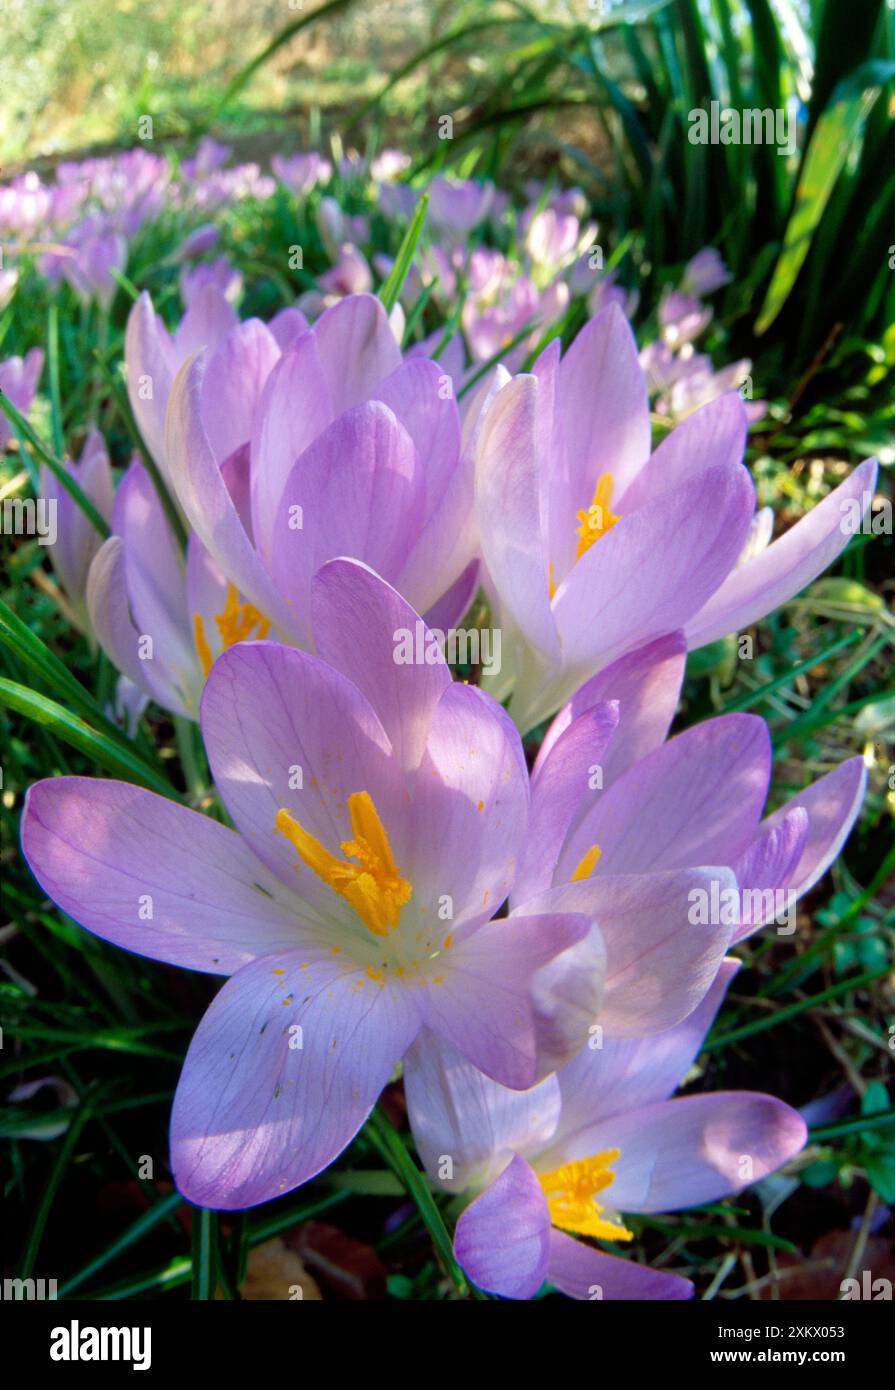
(560, 788)
(655, 568)
(681, 1153)
(464, 829)
(232, 385)
(357, 349)
(695, 800)
(502, 1239)
(358, 620)
(110, 618)
(206, 499)
(295, 407)
(360, 491)
(508, 505)
(787, 566)
(150, 359)
(714, 434)
(282, 1072)
(659, 962)
(447, 610)
(209, 318)
(144, 873)
(603, 416)
(766, 869)
(584, 1273)
(458, 1113)
(647, 684)
(486, 1001)
(832, 804)
(618, 1074)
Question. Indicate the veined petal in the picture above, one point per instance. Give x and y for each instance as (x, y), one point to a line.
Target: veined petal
(144, 873)
(502, 1239)
(282, 1072)
(788, 565)
(580, 1271)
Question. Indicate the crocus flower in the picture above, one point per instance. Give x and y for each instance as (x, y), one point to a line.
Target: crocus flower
(94, 248)
(611, 797)
(301, 172)
(162, 618)
(18, 380)
(210, 155)
(221, 273)
(705, 272)
(353, 452)
(457, 206)
(379, 811)
(594, 546)
(77, 539)
(240, 359)
(572, 1157)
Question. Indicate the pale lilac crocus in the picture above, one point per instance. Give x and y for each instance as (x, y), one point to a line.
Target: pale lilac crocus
(379, 811)
(210, 155)
(600, 1140)
(611, 797)
(94, 249)
(594, 545)
(221, 273)
(18, 380)
(77, 539)
(163, 618)
(458, 206)
(705, 272)
(353, 451)
(301, 172)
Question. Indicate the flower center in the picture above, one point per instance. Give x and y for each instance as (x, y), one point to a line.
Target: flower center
(571, 1193)
(237, 622)
(373, 885)
(598, 519)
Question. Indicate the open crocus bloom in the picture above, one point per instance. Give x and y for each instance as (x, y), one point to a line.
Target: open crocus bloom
(163, 619)
(379, 813)
(77, 539)
(353, 452)
(598, 1139)
(240, 358)
(610, 797)
(594, 546)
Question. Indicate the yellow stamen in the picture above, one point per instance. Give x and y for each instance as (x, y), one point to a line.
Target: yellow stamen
(202, 647)
(551, 586)
(598, 519)
(588, 864)
(236, 622)
(571, 1197)
(373, 886)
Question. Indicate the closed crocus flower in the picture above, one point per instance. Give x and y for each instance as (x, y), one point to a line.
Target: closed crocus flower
(240, 358)
(379, 813)
(77, 539)
(18, 380)
(594, 545)
(162, 618)
(354, 451)
(572, 1157)
(611, 797)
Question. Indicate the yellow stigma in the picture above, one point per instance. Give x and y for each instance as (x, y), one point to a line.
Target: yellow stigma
(236, 623)
(571, 1197)
(598, 519)
(587, 865)
(373, 886)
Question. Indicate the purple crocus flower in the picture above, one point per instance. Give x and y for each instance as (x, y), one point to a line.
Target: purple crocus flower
(162, 621)
(354, 451)
(221, 273)
(611, 797)
(705, 272)
(593, 545)
(94, 249)
(210, 155)
(600, 1138)
(457, 206)
(77, 539)
(18, 380)
(380, 811)
(301, 172)
(241, 356)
